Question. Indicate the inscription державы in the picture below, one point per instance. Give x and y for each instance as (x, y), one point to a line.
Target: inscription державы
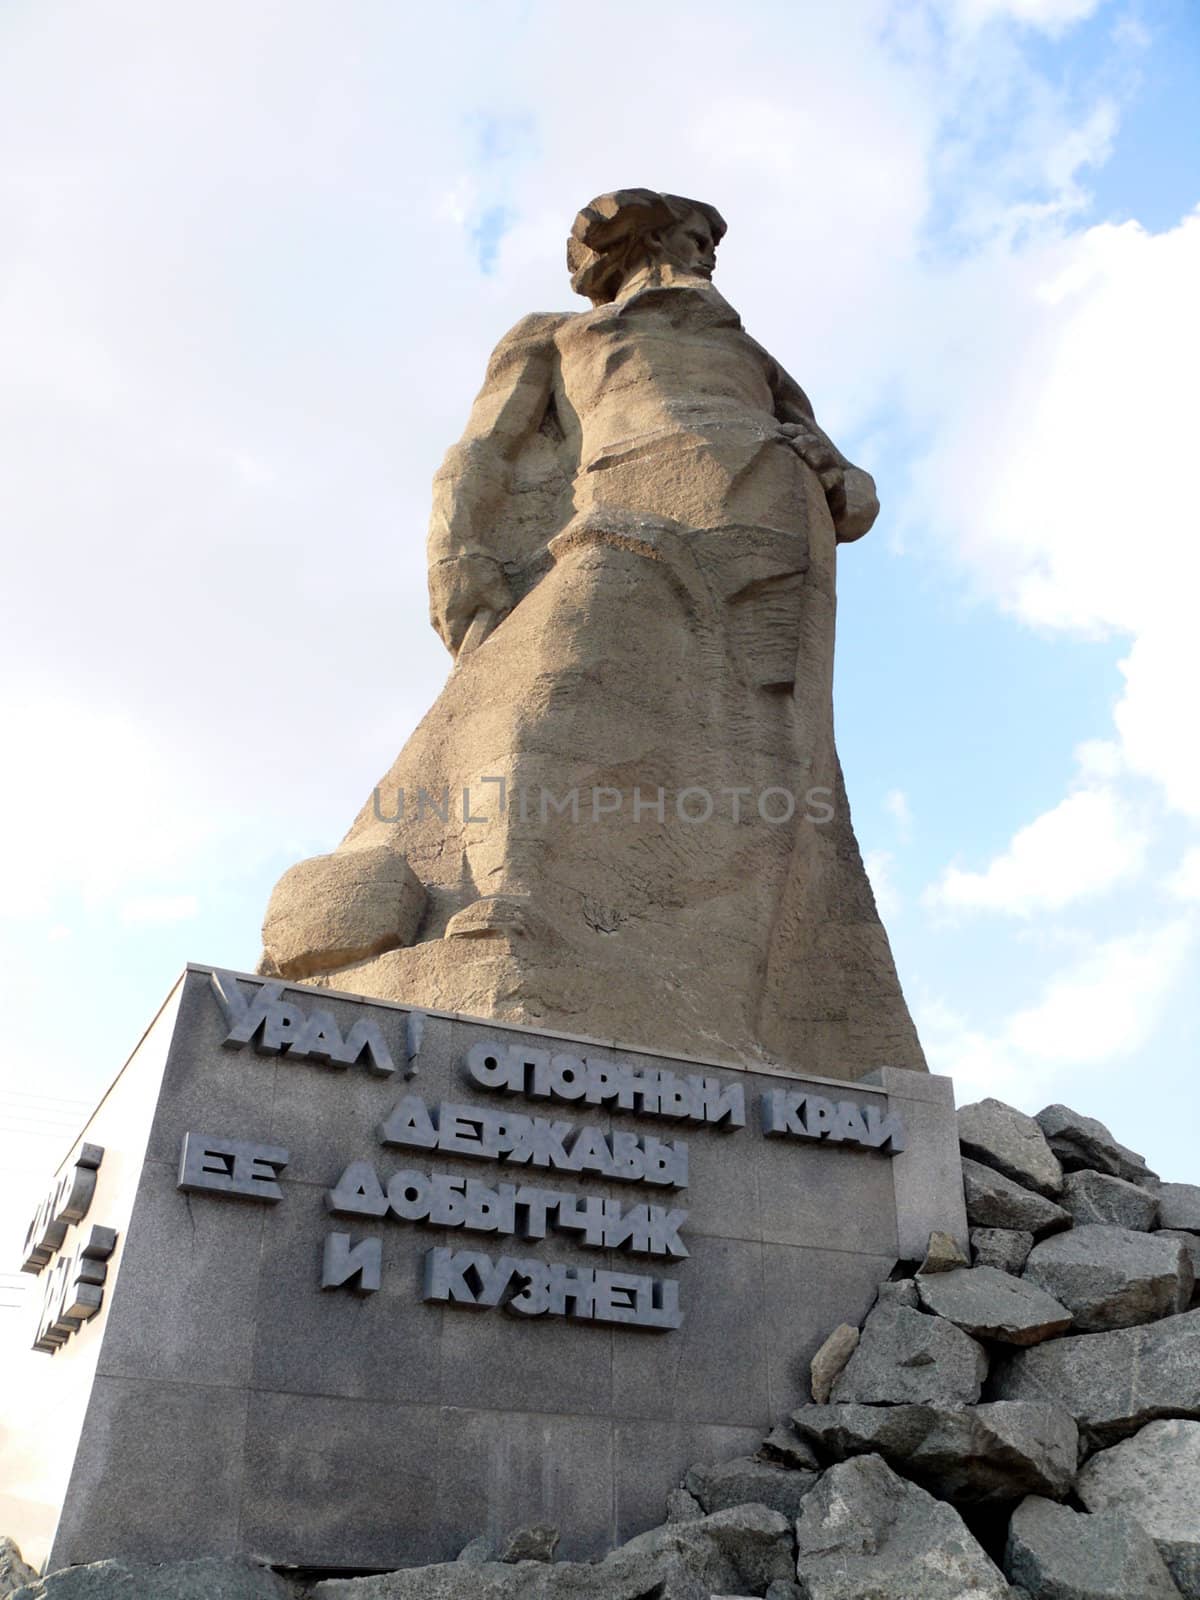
(524, 1286)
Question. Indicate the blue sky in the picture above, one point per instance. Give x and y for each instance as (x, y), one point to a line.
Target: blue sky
(256, 260)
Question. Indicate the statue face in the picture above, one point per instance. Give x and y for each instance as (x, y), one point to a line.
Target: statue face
(690, 246)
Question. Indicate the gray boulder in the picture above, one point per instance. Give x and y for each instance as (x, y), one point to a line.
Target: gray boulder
(621, 1576)
(14, 1571)
(1004, 1138)
(1006, 1249)
(905, 1356)
(830, 1360)
(976, 1455)
(1155, 1478)
(1059, 1554)
(898, 1292)
(994, 1305)
(683, 1507)
(1111, 1383)
(1112, 1277)
(747, 1481)
(1191, 1243)
(1097, 1197)
(943, 1254)
(747, 1546)
(1083, 1142)
(865, 1532)
(477, 1551)
(994, 1201)
(735, 1552)
(1179, 1206)
(206, 1579)
(536, 1543)
(784, 1444)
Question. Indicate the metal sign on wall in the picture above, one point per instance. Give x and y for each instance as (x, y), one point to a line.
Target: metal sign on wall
(391, 1279)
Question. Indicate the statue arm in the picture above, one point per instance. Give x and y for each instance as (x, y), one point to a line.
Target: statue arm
(468, 590)
(849, 490)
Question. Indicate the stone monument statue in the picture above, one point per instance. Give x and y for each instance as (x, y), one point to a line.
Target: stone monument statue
(624, 816)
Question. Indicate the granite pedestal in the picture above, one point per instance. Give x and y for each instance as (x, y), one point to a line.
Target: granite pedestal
(249, 1386)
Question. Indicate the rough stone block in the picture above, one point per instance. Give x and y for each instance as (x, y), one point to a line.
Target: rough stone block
(906, 1356)
(1006, 1249)
(1112, 1277)
(994, 1305)
(994, 1201)
(1057, 1554)
(1154, 1477)
(865, 1531)
(830, 1360)
(1179, 1206)
(748, 1481)
(1004, 1138)
(1097, 1197)
(978, 1455)
(1111, 1383)
(1080, 1142)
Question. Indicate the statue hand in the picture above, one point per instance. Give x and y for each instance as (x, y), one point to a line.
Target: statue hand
(461, 587)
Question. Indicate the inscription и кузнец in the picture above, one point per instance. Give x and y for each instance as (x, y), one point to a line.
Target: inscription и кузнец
(524, 1286)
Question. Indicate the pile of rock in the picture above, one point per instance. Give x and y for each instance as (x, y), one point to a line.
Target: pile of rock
(1035, 1411)
(1026, 1424)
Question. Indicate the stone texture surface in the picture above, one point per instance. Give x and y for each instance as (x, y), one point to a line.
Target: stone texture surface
(1006, 1249)
(13, 1570)
(784, 1444)
(745, 1544)
(331, 911)
(1154, 1477)
(747, 1481)
(1113, 1277)
(1080, 1141)
(1111, 1383)
(1179, 1206)
(830, 1360)
(535, 1543)
(899, 1292)
(994, 1201)
(864, 1531)
(944, 1254)
(734, 1552)
(636, 581)
(1191, 1243)
(683, 1507)
(1059, 1554)
(978, 1455)
(211, 1579)
(906, 1356)
(1097, 1197)
(994, 1305)
(1002, 1137)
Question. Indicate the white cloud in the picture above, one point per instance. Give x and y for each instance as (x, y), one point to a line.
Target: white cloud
(1051, 15)
(1060, 483)
(895, 803)
(1107, 1005)
(1184, 882)
(1100, 1008)
(1082, 847)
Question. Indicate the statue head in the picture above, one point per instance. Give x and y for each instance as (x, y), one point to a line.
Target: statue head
(629, 231)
